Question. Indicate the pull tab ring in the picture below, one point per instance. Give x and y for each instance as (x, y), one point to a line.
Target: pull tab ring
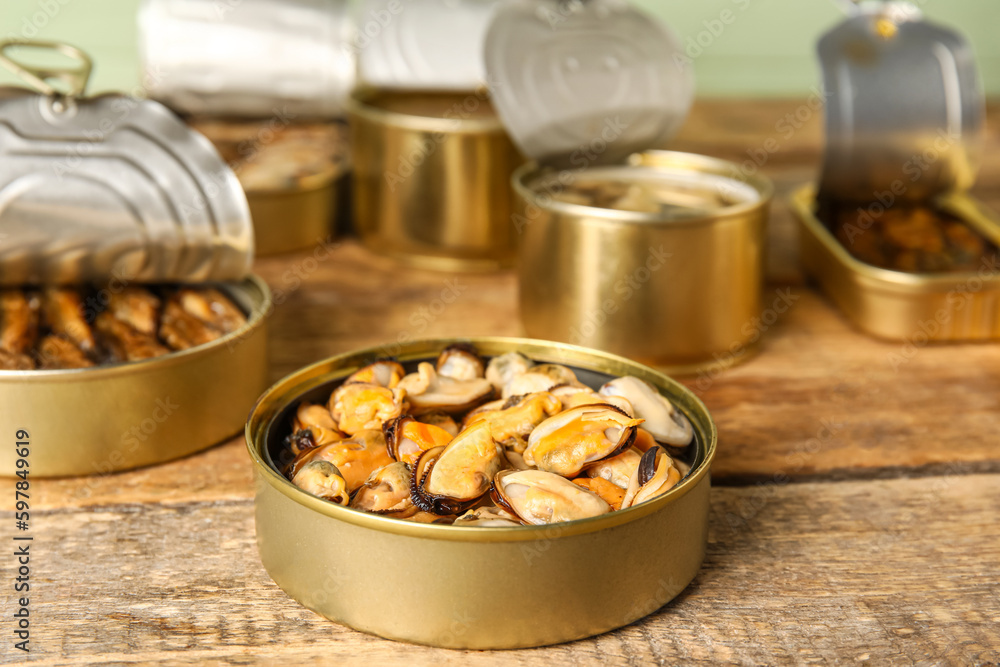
(75, 78)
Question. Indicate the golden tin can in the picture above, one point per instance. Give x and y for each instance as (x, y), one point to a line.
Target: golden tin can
(476, 587)
(916, 307)
(293, 173)
(431, 174)
(109, 418)
(312, 207)
(671, 277)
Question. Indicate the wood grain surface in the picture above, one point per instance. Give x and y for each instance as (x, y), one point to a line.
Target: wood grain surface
(879, 572)
(855, 515)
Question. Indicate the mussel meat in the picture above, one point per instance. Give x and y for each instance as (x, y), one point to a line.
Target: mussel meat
(538, 497)
(571, 440)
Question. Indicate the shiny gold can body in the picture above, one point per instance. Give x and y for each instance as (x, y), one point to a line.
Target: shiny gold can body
(294, 219)
(431, 179)
(905, 306)
(105, 419)
(475, 587)
(678, 294)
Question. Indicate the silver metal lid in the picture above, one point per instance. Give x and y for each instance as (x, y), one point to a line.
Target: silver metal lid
(904, 106)
(423, 44)
(112, 186)
(580, 83)
(253, 58)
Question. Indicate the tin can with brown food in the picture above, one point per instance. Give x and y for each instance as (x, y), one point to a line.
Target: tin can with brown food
(130, 329)
(891, 233)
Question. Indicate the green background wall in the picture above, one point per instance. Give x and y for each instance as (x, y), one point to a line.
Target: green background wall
(766, 49)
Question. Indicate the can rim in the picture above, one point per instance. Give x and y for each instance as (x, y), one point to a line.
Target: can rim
(652, 158)
(359, 104)
(258, 313)
(874, 277)
(277, 396)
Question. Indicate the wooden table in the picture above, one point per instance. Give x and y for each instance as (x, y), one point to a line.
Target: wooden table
(855, 514)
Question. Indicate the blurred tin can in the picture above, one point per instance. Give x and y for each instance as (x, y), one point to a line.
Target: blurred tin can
(898, 305)
(108, 418)
(477, 587)
(431, 178)
(660, 259)
(904, 126)
(115, 191)
(294, 174)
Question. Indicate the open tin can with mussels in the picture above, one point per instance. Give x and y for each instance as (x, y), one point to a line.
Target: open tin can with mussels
(487, 582)
(651, 254)
(131, 331)
(891, 233)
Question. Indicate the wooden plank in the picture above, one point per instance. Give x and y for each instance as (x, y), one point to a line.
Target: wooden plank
(900, 571)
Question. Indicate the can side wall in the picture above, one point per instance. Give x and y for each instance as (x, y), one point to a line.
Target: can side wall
(681, 295)
(481, 595)
(433, 197)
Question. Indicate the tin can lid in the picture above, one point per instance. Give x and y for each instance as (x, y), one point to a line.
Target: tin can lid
(904, 106)
(249, 58)
(422, 44)
(111, 186)
(585, 82)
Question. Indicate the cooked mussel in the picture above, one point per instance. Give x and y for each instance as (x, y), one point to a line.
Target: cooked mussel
(610, 493)
(662, 419)
(654, 476)
(63, 310)
(211, 307)
(386, 491)
(18, 321)
(124, 343)
(322, 479)
(568, 442)
(517, 417)
(460, 361)
(406, 438)
(317, 420)
(617, 469)
(540, 378)
(427, 391)
(181, 330)
(135, 306)
(358, 406)
(441, 420)
(505, 367)
(448, 479)
(489, 516)
(56, 352)
(384, 372)
(538, 497)
(574, 395)
(356, 458)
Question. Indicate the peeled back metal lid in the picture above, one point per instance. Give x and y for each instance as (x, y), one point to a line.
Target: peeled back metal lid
(110, 187)
(584, 82)
(904, 106)
(422, 44)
